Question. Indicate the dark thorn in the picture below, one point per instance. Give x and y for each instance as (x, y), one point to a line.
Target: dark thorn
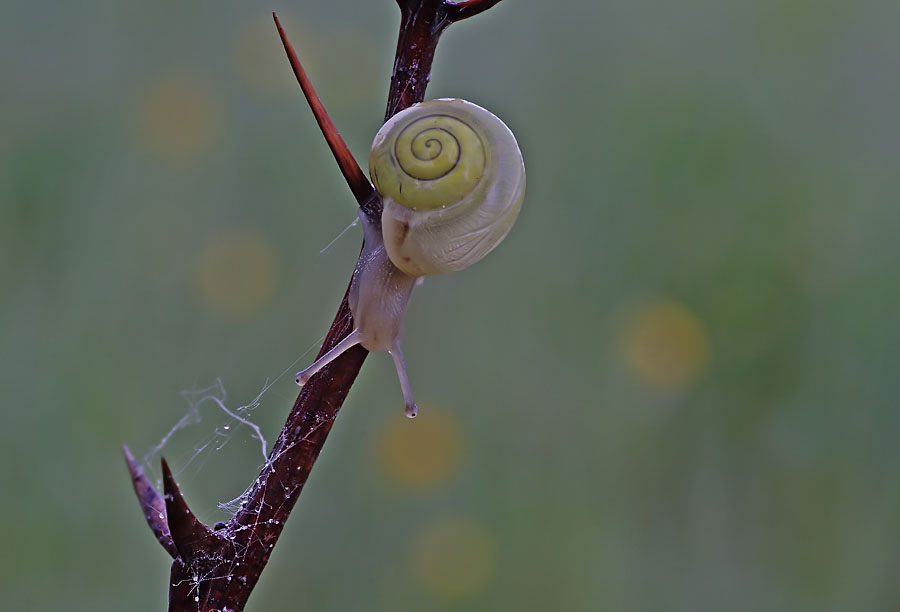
(187, 531)
(151, 502)
(359, 184)
(457, 11)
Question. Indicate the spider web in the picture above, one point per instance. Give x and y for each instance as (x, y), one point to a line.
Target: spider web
(211, 404)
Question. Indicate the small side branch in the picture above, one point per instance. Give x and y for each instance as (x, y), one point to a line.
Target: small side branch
(468, 8)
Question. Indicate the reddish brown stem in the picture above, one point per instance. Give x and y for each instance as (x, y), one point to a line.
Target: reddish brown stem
(216, 570)
(421, 25)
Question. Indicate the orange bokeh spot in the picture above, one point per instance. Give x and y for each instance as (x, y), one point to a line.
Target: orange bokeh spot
(421, 453)
(666, 344)
(236, 273)
(179, 119)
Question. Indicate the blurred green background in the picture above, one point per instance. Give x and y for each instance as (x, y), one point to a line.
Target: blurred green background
(674, 387)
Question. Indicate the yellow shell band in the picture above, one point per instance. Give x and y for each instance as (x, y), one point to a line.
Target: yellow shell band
(428, 160)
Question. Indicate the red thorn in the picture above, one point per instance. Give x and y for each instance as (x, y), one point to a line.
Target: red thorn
(359, 184)
(468, 8)
(151, 502)
(187, 531)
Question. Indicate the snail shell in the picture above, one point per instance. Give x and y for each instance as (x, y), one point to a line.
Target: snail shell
(452, 180)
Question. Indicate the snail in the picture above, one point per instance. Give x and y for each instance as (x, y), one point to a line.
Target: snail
(451, 179)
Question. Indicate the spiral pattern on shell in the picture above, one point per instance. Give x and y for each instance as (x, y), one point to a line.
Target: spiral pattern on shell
(432, 160)
(451, 178)
(426, 152)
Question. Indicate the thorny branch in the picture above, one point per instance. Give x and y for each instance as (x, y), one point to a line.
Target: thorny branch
(215, 569)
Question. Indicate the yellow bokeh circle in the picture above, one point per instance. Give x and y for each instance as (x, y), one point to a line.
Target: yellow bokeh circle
(179, 118)
(454, 557)
(422, 453)
(666, 344)
(236, 273)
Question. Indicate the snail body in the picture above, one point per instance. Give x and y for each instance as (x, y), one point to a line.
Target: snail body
(451, 179)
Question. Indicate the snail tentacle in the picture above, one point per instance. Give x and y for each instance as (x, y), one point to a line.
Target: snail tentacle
(352, 339)
(400, 363)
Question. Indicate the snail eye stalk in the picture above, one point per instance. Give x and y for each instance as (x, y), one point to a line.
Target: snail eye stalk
(352, 339)
(397, 353)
